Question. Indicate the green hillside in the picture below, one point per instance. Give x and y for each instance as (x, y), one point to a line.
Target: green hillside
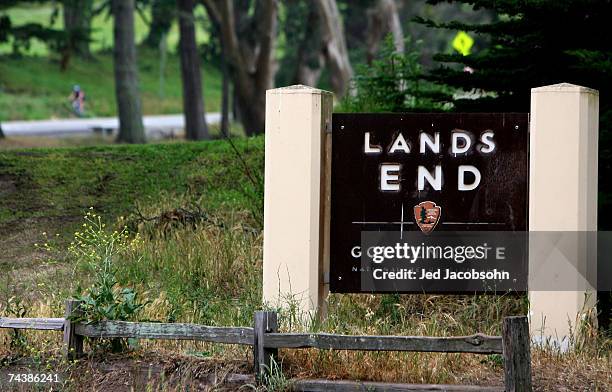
(33, 87)
(66, 181)
(102, 27)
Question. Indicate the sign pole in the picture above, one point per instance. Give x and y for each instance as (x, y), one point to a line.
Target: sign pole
(296, 200)
(562, 198)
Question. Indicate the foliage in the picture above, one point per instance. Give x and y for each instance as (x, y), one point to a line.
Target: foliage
(531, 45)
(101, 29)
(392, 83)
(208, 269)
(274, 380)
(98, 248)
(15, 307)
(20, 35)
(163, 15)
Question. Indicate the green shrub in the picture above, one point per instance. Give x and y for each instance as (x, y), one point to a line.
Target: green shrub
(392, 83)
(96, 249)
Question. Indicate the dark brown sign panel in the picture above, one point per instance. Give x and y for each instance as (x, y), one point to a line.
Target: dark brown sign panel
(426, 173)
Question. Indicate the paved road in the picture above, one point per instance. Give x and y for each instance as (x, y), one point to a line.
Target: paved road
(154, 125)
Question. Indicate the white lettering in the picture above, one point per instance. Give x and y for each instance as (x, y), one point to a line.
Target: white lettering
(461, 178)
(434, 145)
(487, 139)
(399, 144)
(500, 253)
(467, 142)
(435, 181)
(389, 177)
(368, 148)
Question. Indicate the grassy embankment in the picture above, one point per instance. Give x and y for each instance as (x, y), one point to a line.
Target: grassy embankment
(33, 87)
(208, 270)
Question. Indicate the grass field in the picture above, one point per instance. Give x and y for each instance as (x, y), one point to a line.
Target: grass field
(194, 254)
(102, 27)
(33, 87)
(67, 181)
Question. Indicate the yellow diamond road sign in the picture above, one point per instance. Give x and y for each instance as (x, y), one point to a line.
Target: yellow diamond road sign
(462, 43)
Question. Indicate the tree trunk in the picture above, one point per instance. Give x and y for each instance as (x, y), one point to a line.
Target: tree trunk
(1, 132)
(193, 102)
(235, 108)
(225, 92)
(382, 19)
(252, 112)
(162, 16)
(249, 38)
(225, 83)
(77, 24)
(310, 59)
(131, 129)
(334, 46)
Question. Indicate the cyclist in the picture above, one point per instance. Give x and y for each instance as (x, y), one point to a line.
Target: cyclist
(77, 99)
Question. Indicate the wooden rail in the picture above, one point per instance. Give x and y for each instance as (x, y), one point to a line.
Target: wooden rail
(175, 331)
(45, 324)
(514, 344)
(361, 386)
(478, 344)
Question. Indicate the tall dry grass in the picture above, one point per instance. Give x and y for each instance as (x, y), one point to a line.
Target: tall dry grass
(208, 271)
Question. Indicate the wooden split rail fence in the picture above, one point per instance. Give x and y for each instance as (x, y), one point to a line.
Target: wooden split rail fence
(514, 345)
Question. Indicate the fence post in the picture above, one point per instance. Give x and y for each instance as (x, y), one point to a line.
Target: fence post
(563, 140)
(297, 198)
(265, 322)
(73, 343)
(517, 355)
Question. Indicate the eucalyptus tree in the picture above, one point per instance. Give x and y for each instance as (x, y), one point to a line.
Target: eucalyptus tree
(383, 18)
(334, 45)
(78, 15)
(193, 101)
(131, 128)
(316, 40)
(247, 29)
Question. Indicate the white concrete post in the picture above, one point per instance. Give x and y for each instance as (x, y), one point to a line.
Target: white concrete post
(296, 197)
(562, 197)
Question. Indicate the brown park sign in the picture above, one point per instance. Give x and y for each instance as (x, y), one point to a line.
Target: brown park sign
(423, 173)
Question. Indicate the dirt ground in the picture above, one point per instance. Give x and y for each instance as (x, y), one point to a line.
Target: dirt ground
(155, 371)
(136, 372)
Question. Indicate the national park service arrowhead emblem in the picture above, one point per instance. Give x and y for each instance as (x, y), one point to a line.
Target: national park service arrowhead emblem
(426, 215)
